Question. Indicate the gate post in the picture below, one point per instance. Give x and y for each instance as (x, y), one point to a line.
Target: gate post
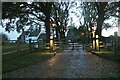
(18, 40)
(94, 40)
(97, 43)
(116, 44)
(30, 47)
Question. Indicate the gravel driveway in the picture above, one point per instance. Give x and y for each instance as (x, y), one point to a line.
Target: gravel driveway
(69, 63)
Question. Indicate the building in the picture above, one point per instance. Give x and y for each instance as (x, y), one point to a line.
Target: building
(34, 35)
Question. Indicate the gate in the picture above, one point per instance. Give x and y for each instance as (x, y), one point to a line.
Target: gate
(68, 45)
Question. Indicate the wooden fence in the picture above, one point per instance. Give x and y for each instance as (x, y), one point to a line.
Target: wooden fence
(18, 46)
(12, 46)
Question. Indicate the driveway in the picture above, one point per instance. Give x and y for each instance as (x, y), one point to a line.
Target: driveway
(69, 63)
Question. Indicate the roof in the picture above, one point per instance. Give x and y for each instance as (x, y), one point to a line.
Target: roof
(26, 32)
(34, 33)
(42, 36)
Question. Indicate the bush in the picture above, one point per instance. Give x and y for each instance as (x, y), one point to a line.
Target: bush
(5, 39)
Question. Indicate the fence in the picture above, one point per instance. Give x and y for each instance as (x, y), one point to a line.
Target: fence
(12, 46)
(111, 43)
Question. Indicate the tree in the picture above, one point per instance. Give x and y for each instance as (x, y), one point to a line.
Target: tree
(61, 11)
(97, 12)
(100, 8)
(73, 34)
(40, 10)
(4, 38)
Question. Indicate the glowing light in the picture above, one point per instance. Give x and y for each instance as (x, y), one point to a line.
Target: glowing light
(52, 61)
(93, 34)
(93, 44)
(51, 37)
(51, 42)
(64, 30)
(97, 36)
(82, 33)
(46, 53)
(54, 25)
(97, 42)
(92, 27)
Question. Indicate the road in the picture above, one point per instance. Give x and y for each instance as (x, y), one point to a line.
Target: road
(69, 63)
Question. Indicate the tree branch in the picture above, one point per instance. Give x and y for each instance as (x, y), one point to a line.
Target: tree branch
(33, 15)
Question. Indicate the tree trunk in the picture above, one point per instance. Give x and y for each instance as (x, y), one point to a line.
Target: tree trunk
(101, 6)
(57, 33)
(23, 36)
(57, 29)
(63, 34)
(47, 25)
(99, 24)
(47, 20)
(100, 21)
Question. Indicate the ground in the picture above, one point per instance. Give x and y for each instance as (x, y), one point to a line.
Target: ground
(69, 63)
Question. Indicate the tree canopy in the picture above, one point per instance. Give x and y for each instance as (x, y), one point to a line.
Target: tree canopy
(27, 14)
(22, 14)
(97, 12)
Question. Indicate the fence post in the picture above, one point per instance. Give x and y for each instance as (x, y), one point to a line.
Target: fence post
(116, 44)
(112, 42)
(30, 46)
(97, 43)
(38, 42)
(72, 45)
(18, 45)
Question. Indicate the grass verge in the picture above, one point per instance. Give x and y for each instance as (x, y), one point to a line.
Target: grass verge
(104, 53)
(110, 55)
(16, 60)
(107, 54)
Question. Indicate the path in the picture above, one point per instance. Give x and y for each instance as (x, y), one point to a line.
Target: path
(69, 64)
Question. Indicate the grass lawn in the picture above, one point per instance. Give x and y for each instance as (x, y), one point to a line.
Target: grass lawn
(22, 58)
(110, 55)
(13, 47)
(106, 54)
(16, 60)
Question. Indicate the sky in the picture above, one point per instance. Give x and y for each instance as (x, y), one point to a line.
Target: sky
(12, 35)
(110, 31)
